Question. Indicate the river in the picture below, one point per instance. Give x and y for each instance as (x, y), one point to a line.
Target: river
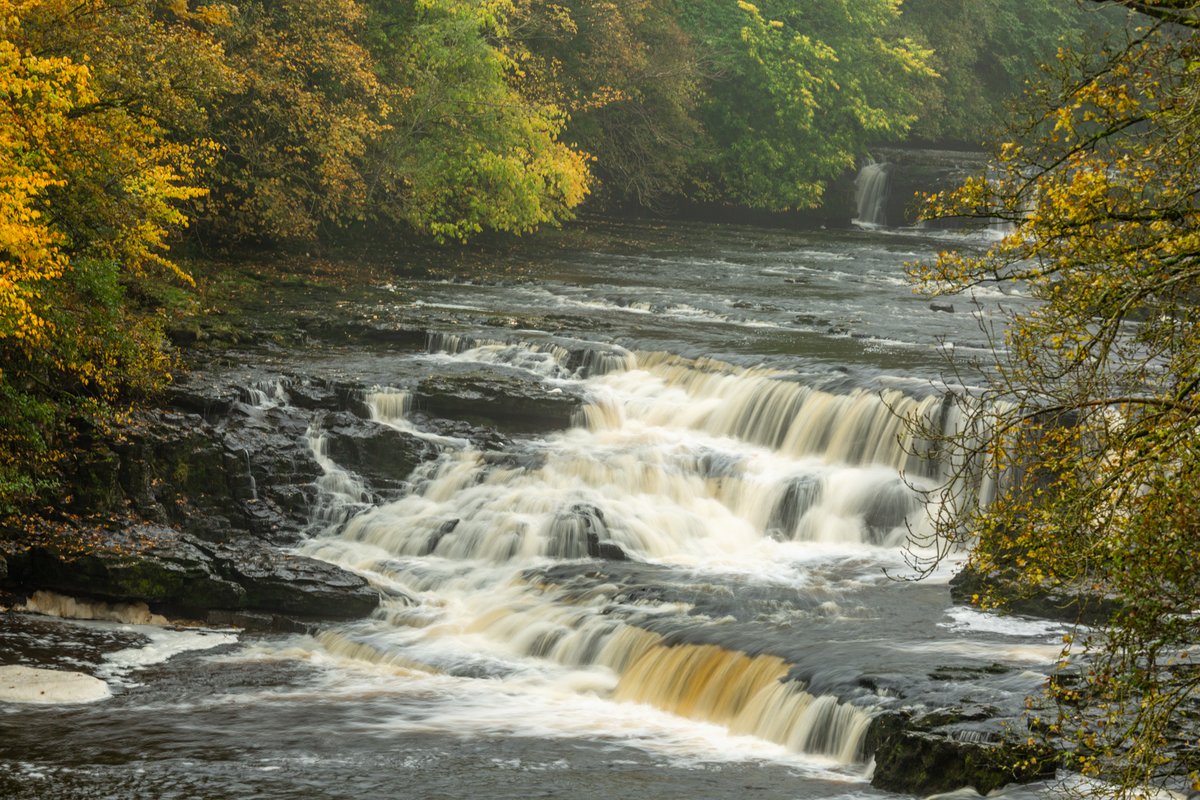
(737, 447)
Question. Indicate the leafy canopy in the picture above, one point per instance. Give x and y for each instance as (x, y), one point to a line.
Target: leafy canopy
(1095, 399)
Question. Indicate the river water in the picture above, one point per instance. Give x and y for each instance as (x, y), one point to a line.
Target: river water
(738, 443)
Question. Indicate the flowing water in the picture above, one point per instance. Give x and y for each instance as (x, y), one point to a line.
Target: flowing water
(739, 463)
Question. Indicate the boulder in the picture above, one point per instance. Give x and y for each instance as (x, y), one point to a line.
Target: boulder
(511, 399)
(1080, 605)
(923, 762)
(381, 454)
(175, 571)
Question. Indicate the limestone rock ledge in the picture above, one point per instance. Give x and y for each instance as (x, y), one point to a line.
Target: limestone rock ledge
(925, 755)
(177, 573)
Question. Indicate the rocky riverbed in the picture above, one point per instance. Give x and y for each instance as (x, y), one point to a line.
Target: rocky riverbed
(313, 405)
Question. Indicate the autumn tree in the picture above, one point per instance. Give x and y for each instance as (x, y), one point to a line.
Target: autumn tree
(1094, 399)
(296, 124)
(628, 76)
(91, 190)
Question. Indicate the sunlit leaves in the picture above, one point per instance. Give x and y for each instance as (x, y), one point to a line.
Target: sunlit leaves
(1095, 392)
(90, 191)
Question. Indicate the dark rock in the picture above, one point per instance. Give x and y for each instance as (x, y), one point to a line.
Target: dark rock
(801, 494)
(1072, 606)
(914, 761)
(609, 551)
(172, 570)
(580, 531)
(198, 397)
(156, 565)
(313, 394)
(291, 584)
(254, 472)
(436, 537)
(946, 308)
(377, 452)
(507, 398)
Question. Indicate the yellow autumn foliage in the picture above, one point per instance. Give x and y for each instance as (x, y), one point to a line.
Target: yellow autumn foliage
(1094, 399)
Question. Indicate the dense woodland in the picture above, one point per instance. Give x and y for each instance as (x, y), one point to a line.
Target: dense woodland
(131, 127)
(134, 130)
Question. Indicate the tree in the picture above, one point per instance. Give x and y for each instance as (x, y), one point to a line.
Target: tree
(468, 146)
(985, 52)
(90, 191)
(1094, 400)
(295, 128)
(797, 93)
(628, 77)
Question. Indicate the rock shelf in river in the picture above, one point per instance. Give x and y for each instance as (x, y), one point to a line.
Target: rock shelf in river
(19, 684)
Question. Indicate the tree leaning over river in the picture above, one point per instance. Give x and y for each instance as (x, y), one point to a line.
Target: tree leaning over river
(1095, 395)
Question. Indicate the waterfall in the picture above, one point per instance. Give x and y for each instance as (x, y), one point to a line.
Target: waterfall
(340, 495)
(675, 462)
(748, 694)
(548, 356)
(871, 193)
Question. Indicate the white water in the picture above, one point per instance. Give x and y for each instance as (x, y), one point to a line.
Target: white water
(870, 194)
(680, 463)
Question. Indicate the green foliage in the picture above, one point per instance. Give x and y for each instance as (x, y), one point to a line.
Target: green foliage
(797, 94)
(628, 76)
(986, 53)
(466, 150)
(89, 192)
(294, 131)
(1096, 396)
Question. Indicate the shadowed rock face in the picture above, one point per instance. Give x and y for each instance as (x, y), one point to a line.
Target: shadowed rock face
(178, 572)
(935, 753)
(1078, 605)
(382, 455)
(510, 399)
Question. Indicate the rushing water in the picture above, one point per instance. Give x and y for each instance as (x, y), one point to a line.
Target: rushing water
(740, 442)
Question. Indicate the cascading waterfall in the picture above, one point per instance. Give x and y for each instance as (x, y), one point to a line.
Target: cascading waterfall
(871, 193)
(694, 463)
(546, 357)
(340, 495)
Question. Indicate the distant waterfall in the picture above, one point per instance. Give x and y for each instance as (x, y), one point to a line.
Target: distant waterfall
(871, 193)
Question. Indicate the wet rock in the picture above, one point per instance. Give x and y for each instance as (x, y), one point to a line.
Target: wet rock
(1081, 605)
(290, 584)
(912, 760)
(609, 551)
(156, 565)
(207, 399)
(802, 494)
(945, 308)
(510, 399)
(314, 394)
(377, 452)
(252, 473)
(340, 330)
(580, 531)
(174, 571)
